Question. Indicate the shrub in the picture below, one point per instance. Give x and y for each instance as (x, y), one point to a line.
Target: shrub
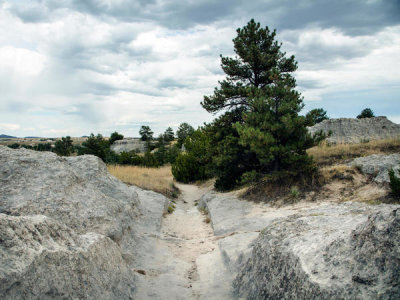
(129, 158)
(64, 146)
(98, 146)
(366, 113)
(149, 160)
(14, 146)
(394, 183)
(186, 168)
(115, 136)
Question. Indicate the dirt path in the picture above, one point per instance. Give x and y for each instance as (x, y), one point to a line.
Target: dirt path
(182, 259)
(188, 233)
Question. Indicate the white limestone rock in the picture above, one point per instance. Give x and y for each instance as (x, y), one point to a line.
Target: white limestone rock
(346, 251)
(378, 166)
(348, 130)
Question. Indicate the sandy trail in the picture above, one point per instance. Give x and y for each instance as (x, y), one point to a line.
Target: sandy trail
(187, 233)
(183, 259)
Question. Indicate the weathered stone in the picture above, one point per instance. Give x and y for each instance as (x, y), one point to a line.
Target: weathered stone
(345, 251)
(127, 145)
(378, 166)
(69, 229)
(347, 130)
(77, 191)
(44, 259)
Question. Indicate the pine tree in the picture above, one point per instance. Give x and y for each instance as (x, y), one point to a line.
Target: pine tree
(315, 116)
(169, 134)
(260, 129)
(366, 113)
(146, 133)
(184, 130)
(115, 136)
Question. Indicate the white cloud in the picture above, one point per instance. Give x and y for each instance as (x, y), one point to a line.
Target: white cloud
(374, 68)
(73, 67)
(23, 62)
(9, 127)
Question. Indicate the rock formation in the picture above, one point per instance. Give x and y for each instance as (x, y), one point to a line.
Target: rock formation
(378, 166)
(127, 145)
(346, 251)
(68, 229)
(308, 251)
(347, 130)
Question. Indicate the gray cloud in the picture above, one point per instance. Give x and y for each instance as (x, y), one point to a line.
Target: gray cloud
(106, 62)
(355, 17)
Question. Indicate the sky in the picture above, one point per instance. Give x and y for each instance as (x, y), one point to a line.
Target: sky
(75, 67)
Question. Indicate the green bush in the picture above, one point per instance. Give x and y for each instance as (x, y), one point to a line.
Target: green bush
(14, 146)
(149, 160)
(129, 158)
(366, 113)
(64, 146)
(186, 168)
(394, 183)
(115, 136)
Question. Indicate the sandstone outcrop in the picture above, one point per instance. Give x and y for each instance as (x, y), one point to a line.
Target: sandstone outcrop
(69, 229)
(346, 251)
(347, 130)
(378, 166)
(307, 250)
(127, 145)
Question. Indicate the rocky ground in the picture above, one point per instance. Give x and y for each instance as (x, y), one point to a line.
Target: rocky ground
(68, 229)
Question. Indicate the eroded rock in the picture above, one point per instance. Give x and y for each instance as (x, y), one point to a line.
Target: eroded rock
(69, 229)
(127, 145)
(346, 251)
(378, 166)
(348, 130)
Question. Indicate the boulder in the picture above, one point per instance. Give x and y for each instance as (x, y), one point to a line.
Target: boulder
(347, 130)
(344, 251)
(378, 166)
(69, 229)
(44, 259)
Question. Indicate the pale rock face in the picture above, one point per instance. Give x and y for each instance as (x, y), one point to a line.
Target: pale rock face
(43, 259)
(69, 229)
(347, 251)
(127, 145)
(378, 166)
(308, 250)
(347, 130)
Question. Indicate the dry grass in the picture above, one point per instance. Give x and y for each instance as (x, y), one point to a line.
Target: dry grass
(156, 179)
(325, 154)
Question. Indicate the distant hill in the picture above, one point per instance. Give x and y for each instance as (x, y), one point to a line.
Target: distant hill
(4, 136)
(32, 137)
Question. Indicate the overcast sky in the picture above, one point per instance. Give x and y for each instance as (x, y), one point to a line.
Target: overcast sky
(72, 67)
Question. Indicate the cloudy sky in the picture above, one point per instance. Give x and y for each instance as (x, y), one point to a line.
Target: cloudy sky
(72, 67)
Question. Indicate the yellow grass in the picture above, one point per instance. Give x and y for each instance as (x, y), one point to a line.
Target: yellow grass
(325, 154)
(156, 179)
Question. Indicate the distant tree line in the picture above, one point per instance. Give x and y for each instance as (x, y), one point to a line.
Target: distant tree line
(160, 151)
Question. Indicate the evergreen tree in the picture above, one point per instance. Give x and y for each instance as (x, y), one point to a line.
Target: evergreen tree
(260, 129)
(366, 113)
(98, 146)
(169, 135)
(146, 133)
(184, 130)
(315, 116)
(64, 146)
(115, 136)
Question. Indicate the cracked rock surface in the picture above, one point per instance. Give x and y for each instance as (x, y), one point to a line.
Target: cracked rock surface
(348, 130)
(68, 229)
